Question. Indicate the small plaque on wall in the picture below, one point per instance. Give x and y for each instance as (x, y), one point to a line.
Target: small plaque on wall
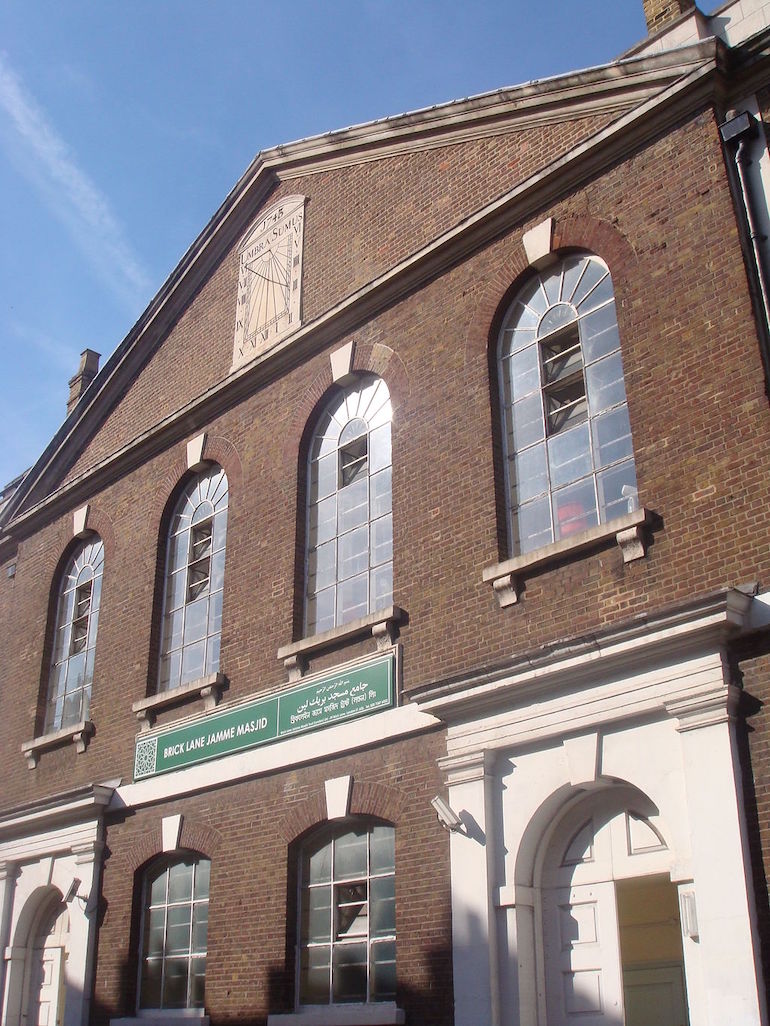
(269, 280)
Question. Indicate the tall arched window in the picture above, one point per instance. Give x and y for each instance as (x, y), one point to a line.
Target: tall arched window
(569, 457)
(195, 572)
(175, 918)
(347, 916)
(74, 640)
(349, 570)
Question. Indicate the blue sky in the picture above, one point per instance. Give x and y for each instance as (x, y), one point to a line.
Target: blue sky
(124, 125)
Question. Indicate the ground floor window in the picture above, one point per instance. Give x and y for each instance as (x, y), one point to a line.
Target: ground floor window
(174, 933)
(347, 921)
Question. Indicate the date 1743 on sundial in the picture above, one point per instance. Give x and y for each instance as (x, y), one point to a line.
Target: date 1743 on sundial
(269, 279)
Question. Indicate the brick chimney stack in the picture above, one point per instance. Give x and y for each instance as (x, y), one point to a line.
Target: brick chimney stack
(87, 371)
(659, 13)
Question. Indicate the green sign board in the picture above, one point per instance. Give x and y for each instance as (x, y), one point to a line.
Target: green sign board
(355, 691)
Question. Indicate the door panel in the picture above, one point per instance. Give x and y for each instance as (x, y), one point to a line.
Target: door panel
(655, 997)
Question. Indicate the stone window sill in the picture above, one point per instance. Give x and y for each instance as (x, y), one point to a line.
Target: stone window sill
(629, 531)
(161, 1017)
(381, 1013)
(77, 734)
(208, 688)
(381, 625)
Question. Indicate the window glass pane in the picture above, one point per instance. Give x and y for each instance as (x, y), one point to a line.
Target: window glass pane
(197, 982)
(604, 382)
(175, 983)
(531, 476)
(314, 979)
(617, 491)
(220, 530)
(534, 524)
(196, 615)
(320, 611)
(383, 906)
(601, 294)
(381, 586)
(323, 520)
(180, 876)
(158, 889)
(352, 908)
(574, 508)
(383, 971)
(178, 924)
(155, 929)
(559, 316)
(599, 333)
(175, 589)
(193, 661)
(380, 485)
(353, 502)
(527, 422)
(353, 598)
(524, 370)
(382, 540)
(202, 875)
(316, 922)
(218, 571)
(572, 270)
(212, 653)
(170, 670)
(552, 285)
(612, 436)
(215, 613)
(379, 448)
(323, 476)
(172, 629)
(350, 973)
(569, 455)
(353, 553)
(318, 865)
(593, 273)
(200, 926)
(382, 849)
(350, 852)
(76, 672)
(151, 977)
(322, 566)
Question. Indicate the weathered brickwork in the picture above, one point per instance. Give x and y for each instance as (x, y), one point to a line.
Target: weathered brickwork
(360, 222)
(249, 833)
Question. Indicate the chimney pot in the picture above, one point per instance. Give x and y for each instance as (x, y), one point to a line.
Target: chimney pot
(87, 371)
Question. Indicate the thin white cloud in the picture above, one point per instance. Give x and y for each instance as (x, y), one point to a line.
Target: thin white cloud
(48, 163)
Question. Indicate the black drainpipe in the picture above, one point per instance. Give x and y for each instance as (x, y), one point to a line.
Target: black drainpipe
(736, 132)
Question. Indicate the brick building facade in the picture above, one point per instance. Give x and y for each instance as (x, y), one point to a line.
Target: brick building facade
(439, 467)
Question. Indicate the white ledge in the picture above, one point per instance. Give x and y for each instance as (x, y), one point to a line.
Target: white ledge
(77, 734)
(208, 688)
(381, 625)
(163, 1017)
(629, 532)
(380, 1013)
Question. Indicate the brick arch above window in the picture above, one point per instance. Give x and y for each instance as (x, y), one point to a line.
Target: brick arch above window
(195, 836)
(570, 231)
(216, 449)
(380, 801)
(98, 521)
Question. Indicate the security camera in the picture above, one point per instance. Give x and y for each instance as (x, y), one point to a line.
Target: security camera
(447, 816)
(72, 890)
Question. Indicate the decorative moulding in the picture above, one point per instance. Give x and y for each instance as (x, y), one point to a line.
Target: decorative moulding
(338, 796)
(77, 734)
(208, 688)
(382, 625)
(195, 451)
(629, 531)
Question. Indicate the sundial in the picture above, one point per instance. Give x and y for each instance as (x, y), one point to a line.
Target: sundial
(269, 279)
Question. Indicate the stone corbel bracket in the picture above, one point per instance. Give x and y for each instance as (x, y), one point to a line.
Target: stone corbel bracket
(78, 734)
(631, 532)
(208, 688)
(383, 625)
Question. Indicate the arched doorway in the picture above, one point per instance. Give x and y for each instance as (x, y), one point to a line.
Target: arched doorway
(42, 999)
(610, 934)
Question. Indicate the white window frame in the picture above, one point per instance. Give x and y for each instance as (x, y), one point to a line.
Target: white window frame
(330, 836)
(204, 500)
(348, 550)
(67, 683)
(568, 300)
(164, 865)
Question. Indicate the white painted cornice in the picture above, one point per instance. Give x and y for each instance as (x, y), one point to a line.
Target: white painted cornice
(697, 81)
(650, 641)
(79, 804)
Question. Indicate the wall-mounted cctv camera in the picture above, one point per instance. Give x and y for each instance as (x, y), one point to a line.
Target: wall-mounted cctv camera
(72, 890)
(447, 816)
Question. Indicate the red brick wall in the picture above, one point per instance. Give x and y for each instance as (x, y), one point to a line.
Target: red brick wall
(248, 831)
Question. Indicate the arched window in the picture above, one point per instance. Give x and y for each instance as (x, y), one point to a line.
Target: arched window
(569, 457)
(195, 571)
(350, 525)
(175, 918)
(74, 640)
(347, 916)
